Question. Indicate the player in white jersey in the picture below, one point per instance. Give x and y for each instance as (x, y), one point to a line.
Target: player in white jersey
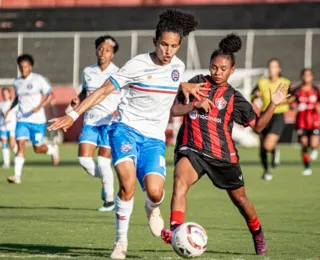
(7, 127)
(137, 138)
(33, 93)
(97, 119)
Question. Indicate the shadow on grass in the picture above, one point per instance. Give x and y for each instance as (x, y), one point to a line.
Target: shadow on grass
(207, 251)
(53, 208)
(168, 163)
(35, 249)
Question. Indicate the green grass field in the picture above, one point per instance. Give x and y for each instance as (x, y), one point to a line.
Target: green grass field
(53, 213)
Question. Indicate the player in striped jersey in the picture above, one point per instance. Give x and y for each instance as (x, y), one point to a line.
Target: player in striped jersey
(7, 127)
(97, 119)
(307, 97)
(137, 138)
(205, 145)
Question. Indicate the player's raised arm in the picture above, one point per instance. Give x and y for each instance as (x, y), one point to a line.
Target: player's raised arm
(277, 98)
(96, 97)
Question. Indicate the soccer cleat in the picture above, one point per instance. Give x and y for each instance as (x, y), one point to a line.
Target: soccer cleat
(314, 154)
(156, 223)
(55, 157)
(267, 176)
(307, 172)
(119, 250)
(276, 158)
(107, 206)
(166, 235)
(13, 179)
(260, 244)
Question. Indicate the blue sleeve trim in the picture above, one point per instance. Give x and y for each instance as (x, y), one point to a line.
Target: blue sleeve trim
(115, 83)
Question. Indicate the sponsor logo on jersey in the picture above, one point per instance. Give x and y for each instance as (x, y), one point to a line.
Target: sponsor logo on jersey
(29, 86)
(126, 147)
(220, 103)
(150, 70)
(175, 75)
(194, 115)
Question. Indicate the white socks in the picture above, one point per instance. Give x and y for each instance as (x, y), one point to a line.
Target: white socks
(150, 204)
(107, 177)
(6, 156)
(18, 164)
(90, 166)
(123, 212)
(51, 150)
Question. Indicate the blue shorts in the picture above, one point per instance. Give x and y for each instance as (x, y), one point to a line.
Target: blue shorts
(7, 134)
(148, 154)
(96, 135)
(30, 131)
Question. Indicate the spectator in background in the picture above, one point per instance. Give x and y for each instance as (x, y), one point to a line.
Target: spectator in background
(270, 136)
(307, 97)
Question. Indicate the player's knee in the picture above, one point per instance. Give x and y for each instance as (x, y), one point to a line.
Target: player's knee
(126, 191)
(37, 149)
(268, 146)
(155, 193)
(88, 165)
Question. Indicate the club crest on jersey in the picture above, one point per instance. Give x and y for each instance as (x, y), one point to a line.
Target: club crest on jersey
(220, 103)
(126, 147)
(175, 75)
(29, 86)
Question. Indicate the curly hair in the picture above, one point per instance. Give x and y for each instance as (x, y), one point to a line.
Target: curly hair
(25, 57)
(107, 38)
(176, 21)
(227, 47)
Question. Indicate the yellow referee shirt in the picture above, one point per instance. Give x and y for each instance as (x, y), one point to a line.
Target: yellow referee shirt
(263, 85)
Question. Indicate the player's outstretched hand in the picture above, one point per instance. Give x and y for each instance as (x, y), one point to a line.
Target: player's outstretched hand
(63, 123)
(280, 94)
(194, 89)
(206, 104)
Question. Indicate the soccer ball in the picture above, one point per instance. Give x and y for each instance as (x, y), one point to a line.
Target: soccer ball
(189, 240)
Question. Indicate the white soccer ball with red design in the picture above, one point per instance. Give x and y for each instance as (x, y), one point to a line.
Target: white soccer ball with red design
(189, 240)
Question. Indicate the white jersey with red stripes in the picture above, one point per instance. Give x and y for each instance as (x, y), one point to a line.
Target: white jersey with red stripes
(92, 78)
(151, 90)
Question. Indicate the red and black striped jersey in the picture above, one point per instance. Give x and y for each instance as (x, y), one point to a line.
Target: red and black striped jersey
(211, 133)
(307, 99)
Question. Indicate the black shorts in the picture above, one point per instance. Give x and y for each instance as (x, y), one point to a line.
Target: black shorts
(226, 176)
(305, 132)
(275, 126)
